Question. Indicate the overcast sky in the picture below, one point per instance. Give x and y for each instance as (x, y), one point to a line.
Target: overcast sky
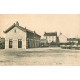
(68, 24)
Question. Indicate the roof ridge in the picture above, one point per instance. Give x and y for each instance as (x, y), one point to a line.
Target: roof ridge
(9, 28)
(20, 27)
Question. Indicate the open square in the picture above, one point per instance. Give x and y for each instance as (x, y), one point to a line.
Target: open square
(40, 57)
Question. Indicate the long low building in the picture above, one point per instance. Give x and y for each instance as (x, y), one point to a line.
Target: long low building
(19, 37)
(74, 40)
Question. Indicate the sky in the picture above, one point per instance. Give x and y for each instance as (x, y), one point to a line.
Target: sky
(67, 24)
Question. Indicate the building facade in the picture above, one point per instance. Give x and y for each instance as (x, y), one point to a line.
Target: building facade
(52, 38)
(19, 37)
(62, 38)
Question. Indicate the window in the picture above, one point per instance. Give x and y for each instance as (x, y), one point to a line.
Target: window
(19, 43)
(10, 43)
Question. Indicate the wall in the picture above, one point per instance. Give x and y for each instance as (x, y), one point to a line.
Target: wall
(62, 39)
(33, 40)
(19, 34)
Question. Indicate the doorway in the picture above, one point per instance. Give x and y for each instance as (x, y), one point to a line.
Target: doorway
(19, 43)
(10, 43)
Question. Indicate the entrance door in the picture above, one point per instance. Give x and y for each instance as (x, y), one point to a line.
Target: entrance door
(10, 43)
(19, 43)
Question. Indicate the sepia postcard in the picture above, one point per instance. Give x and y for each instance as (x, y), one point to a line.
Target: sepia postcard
(39, 39)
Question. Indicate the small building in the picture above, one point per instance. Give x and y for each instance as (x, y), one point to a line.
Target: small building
(17, 36)
(2, 43)
(74, 40)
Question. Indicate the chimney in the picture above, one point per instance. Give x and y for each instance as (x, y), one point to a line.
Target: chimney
(25, 27)
(17, 23)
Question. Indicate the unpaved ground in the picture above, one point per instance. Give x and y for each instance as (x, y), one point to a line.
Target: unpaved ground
(40, 57)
